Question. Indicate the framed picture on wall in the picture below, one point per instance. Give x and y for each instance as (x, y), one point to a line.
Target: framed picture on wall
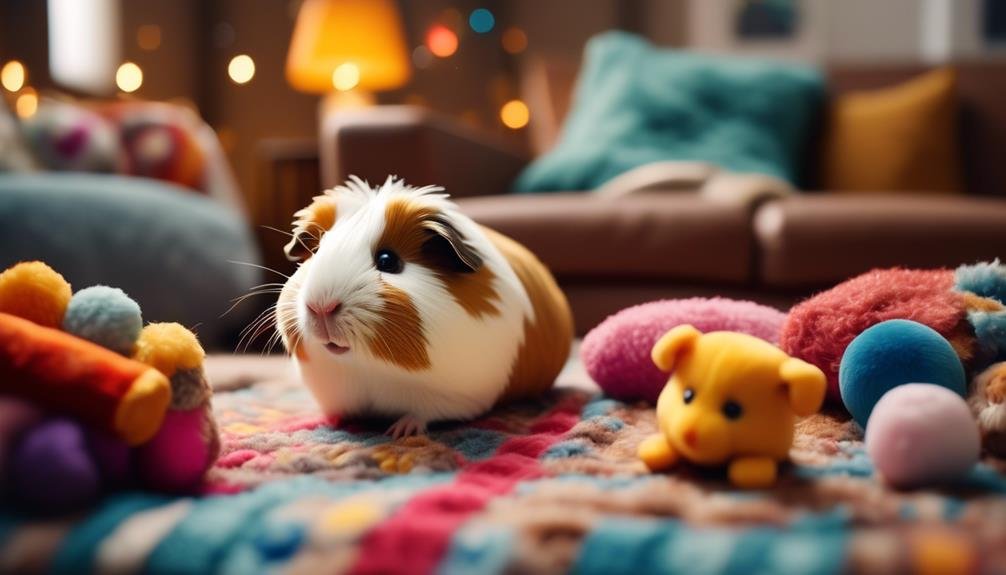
(994, 22)
(766, 19)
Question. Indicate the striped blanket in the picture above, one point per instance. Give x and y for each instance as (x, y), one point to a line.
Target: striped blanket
(551, 486)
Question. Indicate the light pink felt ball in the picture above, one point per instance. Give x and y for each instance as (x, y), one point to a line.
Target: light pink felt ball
(922, 434)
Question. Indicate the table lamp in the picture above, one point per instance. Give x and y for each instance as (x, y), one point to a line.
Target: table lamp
(347, 50)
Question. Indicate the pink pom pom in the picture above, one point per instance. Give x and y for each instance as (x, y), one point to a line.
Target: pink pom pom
(920, 434)
(178, 456)
(616, 353)
(819, 329)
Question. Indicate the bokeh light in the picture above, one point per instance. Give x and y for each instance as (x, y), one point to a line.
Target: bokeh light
(481, 20)
(514, 40)
(241, 69)
(148, 37)
(13, 76)
(26, 104)
(346, 76)
(515, 114)
(441, 41)
(129, 77)
(422, 57)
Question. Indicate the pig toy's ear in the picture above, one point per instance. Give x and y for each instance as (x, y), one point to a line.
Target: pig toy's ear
(673, 345)
(805, 384)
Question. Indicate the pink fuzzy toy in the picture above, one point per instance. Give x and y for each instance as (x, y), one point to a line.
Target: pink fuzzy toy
(176, 459)
(616, 353)
(819, 329)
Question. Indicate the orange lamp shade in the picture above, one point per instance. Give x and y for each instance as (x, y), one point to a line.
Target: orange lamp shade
(363, 39)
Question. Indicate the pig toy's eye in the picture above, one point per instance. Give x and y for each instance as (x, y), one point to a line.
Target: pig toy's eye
(732, 410)
(689, 395)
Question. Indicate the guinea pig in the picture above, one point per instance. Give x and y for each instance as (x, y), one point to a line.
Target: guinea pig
(733, 399)
(403, 307)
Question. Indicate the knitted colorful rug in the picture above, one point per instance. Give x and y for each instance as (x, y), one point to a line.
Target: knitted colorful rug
(551, 486)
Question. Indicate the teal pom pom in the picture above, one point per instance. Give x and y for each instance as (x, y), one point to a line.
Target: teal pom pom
(986, 279)
(106, 316)
(990, 331)
(894, 353)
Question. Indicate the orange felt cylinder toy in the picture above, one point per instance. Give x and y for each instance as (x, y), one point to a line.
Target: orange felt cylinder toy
(69, 375)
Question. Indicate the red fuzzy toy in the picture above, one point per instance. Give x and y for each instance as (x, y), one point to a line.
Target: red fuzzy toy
(819, 329)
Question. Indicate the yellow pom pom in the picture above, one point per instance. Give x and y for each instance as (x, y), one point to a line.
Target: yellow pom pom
(36, 292)
(169, 347)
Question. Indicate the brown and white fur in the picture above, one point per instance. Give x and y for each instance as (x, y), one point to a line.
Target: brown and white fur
(472, 318)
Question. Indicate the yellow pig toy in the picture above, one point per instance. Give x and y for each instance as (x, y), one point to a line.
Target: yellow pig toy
(733, 399)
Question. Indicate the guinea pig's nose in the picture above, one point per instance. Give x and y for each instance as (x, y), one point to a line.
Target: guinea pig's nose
(325, 309)
(690, 436)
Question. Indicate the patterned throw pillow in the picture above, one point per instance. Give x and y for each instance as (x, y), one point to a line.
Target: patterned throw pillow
(145, 139)
(66, 137)
(14, 154)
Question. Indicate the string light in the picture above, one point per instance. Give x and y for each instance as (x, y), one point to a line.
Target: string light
(515, 114)
(441, 41)
(514, 40)
(129, 77)
(422, 57)
(346, 76)
(13, 76)
(26, 104)
(481, 20)
(241, 69)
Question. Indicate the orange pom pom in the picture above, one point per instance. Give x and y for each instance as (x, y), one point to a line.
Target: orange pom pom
(36, 292)
(169, 347)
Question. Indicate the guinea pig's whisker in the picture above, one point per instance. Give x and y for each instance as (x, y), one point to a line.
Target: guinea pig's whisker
(256, 328)
(277, 230)
(264, 289)
(257, 266)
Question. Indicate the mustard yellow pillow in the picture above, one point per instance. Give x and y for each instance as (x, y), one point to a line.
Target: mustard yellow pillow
(898, 139)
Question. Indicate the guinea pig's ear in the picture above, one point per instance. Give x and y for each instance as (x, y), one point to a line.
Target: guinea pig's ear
(309, 224)
(448, 248)
(675, 343)
(805, 385)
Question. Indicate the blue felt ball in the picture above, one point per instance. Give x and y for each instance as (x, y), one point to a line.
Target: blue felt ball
(105, 316)
(894, 353)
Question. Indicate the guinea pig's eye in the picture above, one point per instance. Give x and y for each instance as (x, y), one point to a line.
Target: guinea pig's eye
(388, 262)
(688, 395)
(732, 410)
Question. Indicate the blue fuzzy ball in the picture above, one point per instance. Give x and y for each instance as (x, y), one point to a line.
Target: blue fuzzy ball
(105, 316)
(894, 353)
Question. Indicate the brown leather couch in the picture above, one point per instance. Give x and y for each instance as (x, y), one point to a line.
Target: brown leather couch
(609, 254)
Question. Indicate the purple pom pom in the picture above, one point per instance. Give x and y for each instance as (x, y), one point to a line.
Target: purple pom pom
(52, 470)
(616, 353)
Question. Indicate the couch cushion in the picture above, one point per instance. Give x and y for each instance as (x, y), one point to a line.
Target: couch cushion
(816, 240)
(902, 138)
(636, 104)
(672, 235)
(174, 252)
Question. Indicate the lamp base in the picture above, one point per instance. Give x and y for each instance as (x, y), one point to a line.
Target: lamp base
(348, 100)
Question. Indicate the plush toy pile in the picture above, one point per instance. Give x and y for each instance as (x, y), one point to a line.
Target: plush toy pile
(897, 348)
(90, 399)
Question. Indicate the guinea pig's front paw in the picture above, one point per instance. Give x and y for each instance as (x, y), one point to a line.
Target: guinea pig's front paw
(753, 472)
(406, 426)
